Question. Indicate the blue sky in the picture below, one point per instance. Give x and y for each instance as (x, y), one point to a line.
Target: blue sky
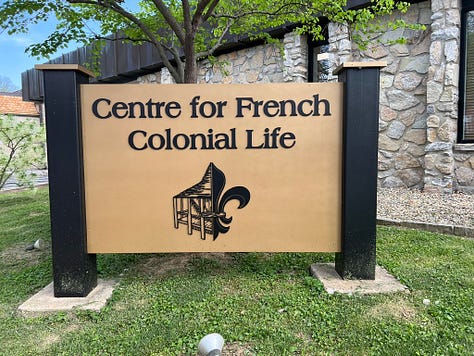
(14, 60)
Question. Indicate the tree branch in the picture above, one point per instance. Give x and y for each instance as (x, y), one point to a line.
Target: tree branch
(8, 176)
(15, 147)
(125, 38)
(174, 52)
(177, 58)
(169, 18)
(217, 44)
(124, 13)
(114, 6)
(3, 173)
(186, 16)
(9, 139)
(278, 11)
(197, 18)
(210, 10)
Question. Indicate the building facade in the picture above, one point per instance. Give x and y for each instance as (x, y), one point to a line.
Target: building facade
(420, 142)
(426, 129)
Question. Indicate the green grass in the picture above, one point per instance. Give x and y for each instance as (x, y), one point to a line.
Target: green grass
(263, 304)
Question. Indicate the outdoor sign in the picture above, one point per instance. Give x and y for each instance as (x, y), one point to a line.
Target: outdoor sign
(195, 168)
(180, 168)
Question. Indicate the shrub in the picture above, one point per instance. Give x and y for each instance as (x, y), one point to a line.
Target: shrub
(21, 149)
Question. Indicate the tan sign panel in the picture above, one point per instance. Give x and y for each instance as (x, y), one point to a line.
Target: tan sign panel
(177, 168)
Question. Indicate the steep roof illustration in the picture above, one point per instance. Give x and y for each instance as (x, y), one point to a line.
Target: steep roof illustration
(202, 206)
(210, 186)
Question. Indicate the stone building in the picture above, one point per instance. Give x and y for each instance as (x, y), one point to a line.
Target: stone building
(426, 129)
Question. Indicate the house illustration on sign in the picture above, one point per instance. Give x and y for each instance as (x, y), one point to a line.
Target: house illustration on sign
(202, 208)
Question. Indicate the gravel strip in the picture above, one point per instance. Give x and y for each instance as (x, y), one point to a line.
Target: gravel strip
(413, 205)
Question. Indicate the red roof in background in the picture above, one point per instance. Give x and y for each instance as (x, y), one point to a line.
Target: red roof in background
(14, 105)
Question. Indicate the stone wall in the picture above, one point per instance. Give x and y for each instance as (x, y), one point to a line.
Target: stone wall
(448, 166)
(418, 99)
(259, 64)
(402, 125)
(403, 115)
(418, 92)
(464, 167)
(442, 95)
(250, 65)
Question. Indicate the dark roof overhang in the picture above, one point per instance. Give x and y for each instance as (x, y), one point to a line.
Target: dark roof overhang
(124, 62)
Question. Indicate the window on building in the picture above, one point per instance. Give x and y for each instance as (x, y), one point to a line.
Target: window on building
(320, 69)
(318, 63)
(466, 112)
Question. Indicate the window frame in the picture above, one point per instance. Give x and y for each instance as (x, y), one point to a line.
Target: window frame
(312, 60)
(466, 6)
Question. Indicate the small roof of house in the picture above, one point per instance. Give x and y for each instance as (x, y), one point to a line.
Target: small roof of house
(204, 189)
(13, 104)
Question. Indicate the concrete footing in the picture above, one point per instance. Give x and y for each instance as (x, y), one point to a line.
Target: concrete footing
(332, 282)
(44, 301)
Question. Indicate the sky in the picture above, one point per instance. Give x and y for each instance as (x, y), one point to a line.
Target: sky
(14, 60)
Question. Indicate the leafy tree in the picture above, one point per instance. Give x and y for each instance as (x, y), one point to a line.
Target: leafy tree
(21, 149)
(182, 31)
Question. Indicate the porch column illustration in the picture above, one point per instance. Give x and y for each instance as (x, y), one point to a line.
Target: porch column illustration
(75, 271)
(175, 212)
(201, 219)
(359, 169)
(190, 217)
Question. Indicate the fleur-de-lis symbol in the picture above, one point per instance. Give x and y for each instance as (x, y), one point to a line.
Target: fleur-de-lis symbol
(202, 206)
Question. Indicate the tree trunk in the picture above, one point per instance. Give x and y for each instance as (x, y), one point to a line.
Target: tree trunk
(190, 65)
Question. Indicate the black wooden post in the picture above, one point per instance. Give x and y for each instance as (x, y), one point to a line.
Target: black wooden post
(75, 272)
(359, 169)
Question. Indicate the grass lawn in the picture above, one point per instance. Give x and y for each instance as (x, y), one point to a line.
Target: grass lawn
(263, 304)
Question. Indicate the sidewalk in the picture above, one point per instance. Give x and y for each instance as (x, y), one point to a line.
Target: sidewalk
(40, 179)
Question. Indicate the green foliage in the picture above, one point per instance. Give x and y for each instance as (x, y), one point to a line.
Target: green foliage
(21, 149)
(195, 28)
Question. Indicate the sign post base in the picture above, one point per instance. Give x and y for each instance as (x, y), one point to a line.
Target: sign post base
(75, 271)
(359, 169)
